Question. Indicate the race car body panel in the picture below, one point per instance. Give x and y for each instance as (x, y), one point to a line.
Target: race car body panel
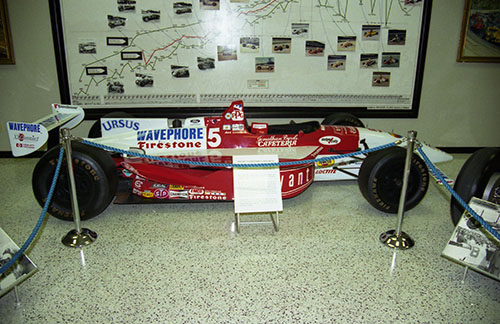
(171, 164)
(217, 139)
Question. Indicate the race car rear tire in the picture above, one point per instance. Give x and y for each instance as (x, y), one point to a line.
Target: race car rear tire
(380, 179)
(342, 119)
(95, 177)
(95, 130)
(478, 177)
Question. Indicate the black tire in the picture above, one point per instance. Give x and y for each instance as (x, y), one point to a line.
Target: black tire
(95, 177)
(95, 130)
(475, 176)
(342, 119)
(381, 178)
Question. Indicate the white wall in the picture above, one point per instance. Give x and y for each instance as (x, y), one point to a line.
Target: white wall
(460, 105)
(29, 87)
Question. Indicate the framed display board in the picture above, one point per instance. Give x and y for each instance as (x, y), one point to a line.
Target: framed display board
(283, 58)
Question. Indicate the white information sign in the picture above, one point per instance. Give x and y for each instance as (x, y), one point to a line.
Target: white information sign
(257, 189)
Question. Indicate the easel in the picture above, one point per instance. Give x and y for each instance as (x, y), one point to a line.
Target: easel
(275, 220)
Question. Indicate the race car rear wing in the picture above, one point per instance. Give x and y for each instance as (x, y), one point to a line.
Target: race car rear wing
(26, 138)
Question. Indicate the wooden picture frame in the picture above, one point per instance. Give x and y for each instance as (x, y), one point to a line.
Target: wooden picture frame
(479, 37)
(6, 48)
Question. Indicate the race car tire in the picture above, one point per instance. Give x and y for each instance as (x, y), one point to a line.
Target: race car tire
(95, 177)
(95, 130)
(380, 179)
(478, 177)
(342, 119)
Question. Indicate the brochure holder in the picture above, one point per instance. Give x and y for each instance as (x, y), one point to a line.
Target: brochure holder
(257, 189)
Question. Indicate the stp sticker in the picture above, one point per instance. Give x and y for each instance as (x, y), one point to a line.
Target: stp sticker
(161, 193)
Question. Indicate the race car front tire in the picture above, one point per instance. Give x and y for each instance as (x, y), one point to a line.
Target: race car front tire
(342, 119)
(479, 177)
(95, 177)
(380, 179)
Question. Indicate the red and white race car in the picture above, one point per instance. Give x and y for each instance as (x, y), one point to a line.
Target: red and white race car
(101, 175)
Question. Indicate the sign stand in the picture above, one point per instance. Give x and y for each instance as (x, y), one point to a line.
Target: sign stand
(257, 189)
(275, 220)
(77, 237)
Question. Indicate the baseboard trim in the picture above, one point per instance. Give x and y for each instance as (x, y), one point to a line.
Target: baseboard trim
(8, 155)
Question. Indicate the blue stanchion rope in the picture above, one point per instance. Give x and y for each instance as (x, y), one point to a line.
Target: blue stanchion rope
(26, 244)
(237, 165)
(109, 148)
(457, 197)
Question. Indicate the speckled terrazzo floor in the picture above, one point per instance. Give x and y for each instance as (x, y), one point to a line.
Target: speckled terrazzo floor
(180, 263)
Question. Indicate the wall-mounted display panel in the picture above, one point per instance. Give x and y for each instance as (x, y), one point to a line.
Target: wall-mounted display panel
(309, 56)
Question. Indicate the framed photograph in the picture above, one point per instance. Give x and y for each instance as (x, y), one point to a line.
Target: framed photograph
(480, 36)
(6, 50)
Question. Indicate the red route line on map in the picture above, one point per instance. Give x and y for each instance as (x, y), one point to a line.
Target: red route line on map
(167, 46)
(256, 10)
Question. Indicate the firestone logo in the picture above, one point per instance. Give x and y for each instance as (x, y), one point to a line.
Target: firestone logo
(277, 141)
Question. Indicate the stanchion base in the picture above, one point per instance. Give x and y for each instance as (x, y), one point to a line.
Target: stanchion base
(75, 239)
(402, 241)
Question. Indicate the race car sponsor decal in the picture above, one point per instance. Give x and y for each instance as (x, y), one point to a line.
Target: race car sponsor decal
(209, 195)
(178, 194)
(325, 164)
(277, 140)
(161, 193)
(238, 113)
(329, 140)
(25, 138)
(138, 183)
(34, 128)
(107, 125)
(325, 171)
(296, 180)
(238, 127)
(172, 138)
(115, 126)
(126, 173)
(147, 194)
(196, 191)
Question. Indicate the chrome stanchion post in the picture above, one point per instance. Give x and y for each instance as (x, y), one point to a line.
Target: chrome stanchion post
(397, 238)
(77, 237)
